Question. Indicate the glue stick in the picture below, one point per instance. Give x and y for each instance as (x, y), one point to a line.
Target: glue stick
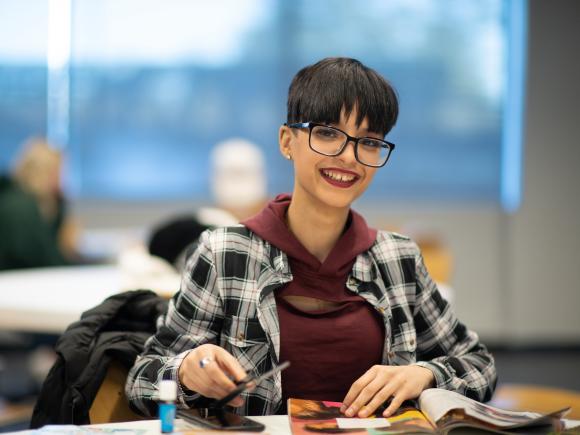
(167, 397)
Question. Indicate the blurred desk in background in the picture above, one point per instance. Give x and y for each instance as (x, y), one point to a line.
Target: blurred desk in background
(47, 300)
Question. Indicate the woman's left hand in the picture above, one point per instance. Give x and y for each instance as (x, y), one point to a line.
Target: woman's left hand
(380, 383)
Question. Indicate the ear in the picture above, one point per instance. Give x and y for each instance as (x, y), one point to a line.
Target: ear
(285, 141)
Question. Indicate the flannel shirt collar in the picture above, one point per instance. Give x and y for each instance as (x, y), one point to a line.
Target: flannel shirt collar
(364, 270)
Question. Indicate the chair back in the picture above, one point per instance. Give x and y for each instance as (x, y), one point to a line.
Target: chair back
(111, 404)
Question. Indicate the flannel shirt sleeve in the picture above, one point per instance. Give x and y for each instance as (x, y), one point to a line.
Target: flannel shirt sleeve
(194, 317)
(453, 353)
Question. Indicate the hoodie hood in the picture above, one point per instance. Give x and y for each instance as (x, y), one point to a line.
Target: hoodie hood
(270, 225)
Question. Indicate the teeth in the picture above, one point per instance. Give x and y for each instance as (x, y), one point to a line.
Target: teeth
(338, 177)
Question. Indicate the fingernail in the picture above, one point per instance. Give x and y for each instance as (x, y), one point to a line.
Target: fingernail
(342, 409)
(349, 412)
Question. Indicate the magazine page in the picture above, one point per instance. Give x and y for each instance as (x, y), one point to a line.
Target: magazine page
(571, 424)
(457, 419)
(308, 417)
(436, 403)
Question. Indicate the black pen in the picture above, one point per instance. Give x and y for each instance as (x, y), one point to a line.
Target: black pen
(243, 384)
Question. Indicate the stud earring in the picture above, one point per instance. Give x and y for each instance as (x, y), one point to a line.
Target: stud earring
(288, 156)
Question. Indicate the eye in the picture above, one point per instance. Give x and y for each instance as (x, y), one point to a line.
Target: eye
(371, 143)
(326, 133)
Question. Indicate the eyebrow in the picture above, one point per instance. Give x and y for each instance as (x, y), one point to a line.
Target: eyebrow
(367, 131)
(362, 129)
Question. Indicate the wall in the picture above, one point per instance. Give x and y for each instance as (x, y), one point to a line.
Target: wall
(545, 234)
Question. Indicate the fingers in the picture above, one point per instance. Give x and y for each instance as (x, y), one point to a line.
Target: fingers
(414, 379)
(395, 403)
(379, 399)
(356, 388)
(362, 405)
(209, 370)
(232, 366)
(238, 401)
(216, 376)
(381, 383)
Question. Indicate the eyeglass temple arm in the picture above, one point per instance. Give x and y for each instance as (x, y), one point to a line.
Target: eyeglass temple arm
(298, 125)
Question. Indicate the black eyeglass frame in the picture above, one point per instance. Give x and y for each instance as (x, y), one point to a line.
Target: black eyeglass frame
(355, 140)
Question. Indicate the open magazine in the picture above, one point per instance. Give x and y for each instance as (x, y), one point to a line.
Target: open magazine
(437, 411)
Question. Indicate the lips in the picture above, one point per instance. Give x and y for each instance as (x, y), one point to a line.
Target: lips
(339, 177)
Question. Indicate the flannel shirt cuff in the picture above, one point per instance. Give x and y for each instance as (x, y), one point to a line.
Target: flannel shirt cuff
(184, 396)
(442, 376)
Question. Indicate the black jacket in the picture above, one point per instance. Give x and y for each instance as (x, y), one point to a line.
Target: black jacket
(114, 330)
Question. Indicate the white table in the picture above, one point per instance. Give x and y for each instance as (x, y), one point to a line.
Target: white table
(49, 299)
(275, 425)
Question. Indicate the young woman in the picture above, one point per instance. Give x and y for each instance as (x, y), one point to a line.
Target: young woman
(306, 280)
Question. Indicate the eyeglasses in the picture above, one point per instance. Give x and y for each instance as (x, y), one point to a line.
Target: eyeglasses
(331, 141)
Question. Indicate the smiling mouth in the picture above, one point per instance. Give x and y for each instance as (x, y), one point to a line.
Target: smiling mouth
(339, 178)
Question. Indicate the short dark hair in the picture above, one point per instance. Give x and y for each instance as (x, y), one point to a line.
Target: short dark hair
(319, 92)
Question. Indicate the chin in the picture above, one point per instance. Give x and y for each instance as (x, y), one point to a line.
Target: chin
(339, 199)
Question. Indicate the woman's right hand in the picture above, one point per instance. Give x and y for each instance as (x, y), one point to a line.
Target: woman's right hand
(215, 377)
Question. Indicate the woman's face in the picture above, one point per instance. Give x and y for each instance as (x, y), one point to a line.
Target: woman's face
(334, 181)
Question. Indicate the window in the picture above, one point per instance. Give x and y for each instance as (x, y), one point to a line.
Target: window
(23, 74)
(153, 88)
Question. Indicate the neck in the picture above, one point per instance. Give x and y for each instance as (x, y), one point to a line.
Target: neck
(317, 226)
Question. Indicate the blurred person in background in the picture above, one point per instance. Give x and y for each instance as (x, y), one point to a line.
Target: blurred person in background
(35, 230)
(239, 190)
(238, 182)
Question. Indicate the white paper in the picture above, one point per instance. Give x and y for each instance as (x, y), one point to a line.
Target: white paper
(362, 423)
(571, 424)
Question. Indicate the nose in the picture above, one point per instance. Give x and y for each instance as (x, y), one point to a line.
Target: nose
(348, 154)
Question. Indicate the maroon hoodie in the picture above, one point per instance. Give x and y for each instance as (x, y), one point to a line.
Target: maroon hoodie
(329, 349)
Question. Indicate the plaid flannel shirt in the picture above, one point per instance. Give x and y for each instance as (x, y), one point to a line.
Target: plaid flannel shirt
(227, 298)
